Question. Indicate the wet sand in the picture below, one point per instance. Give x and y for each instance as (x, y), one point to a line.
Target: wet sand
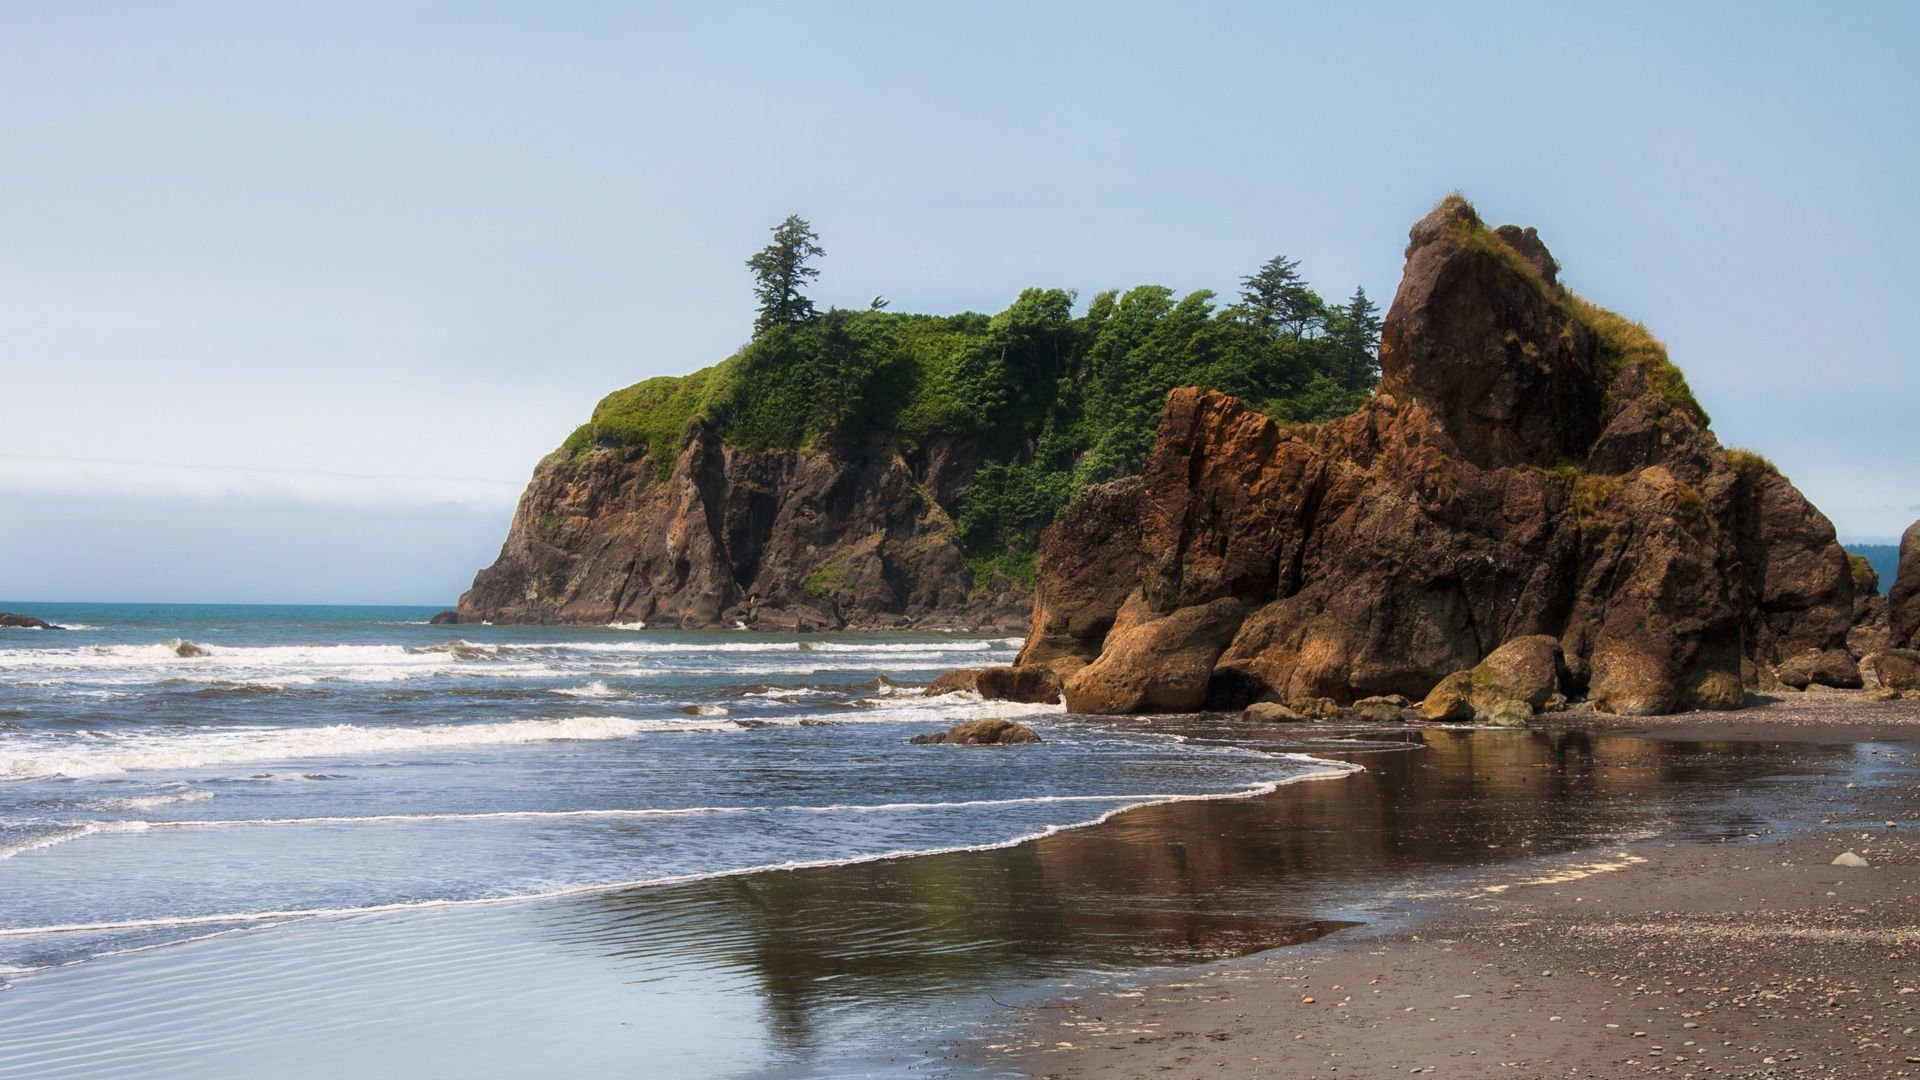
(1745, 954)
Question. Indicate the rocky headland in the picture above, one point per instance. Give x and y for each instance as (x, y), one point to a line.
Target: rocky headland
(775, 540)
(1531, 509)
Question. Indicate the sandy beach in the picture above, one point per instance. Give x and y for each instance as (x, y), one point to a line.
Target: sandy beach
(1732, 956)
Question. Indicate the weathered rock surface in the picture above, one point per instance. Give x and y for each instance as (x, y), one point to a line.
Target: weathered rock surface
(1903, 599)
(1822, 667)
(1272, 712)
(785, 540)
(11, 621)
(1895, 669)
(1526, 670)
(1030, 685)
(1530, 467)
(992, 731)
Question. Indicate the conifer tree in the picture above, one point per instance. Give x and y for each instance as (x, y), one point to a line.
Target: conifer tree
(780, 271)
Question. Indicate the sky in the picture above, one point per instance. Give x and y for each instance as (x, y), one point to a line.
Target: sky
(293, 297)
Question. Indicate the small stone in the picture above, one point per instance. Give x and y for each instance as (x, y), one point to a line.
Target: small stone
(1848, 858)
(1306, 1001)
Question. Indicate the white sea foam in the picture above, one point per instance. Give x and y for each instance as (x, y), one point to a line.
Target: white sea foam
(1325, 770)
(636, 625)
(149, 802)
(594, 689)
(69, 833)
(106, 754)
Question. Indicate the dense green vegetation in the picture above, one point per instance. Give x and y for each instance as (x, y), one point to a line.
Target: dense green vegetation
(1059, 399)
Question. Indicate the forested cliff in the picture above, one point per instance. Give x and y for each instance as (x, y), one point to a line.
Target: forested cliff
(872, 468)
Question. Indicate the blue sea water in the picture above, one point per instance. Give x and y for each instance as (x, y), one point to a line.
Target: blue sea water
(171, 771)
(318, 841)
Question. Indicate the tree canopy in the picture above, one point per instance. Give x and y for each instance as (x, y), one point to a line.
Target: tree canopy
(1055, 400)
(780, 271)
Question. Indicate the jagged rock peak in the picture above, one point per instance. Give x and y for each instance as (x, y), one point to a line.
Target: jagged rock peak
(1531, 467)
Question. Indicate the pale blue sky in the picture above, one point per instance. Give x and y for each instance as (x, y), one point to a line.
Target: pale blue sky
(292, 297)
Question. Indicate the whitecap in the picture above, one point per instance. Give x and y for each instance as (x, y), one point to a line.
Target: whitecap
(594, 689)
(104, 754)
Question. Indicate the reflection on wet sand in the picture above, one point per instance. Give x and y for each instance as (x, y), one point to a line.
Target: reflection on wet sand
(839, 955)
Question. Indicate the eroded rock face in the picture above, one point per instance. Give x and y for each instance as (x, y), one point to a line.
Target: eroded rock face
(1521, 474)
(787, 540)
(1903, 600)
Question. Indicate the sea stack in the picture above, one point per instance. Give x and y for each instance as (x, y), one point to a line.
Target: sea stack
(1531, 465)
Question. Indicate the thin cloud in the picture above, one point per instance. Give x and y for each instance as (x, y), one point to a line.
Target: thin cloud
(108, 479)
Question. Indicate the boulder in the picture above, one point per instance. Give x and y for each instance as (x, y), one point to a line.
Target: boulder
(1821, 667)
(1272, 712)
(1524, 669)
(1451, 700)
(1380, 709)
(1028, 685)
(445, 618)
(1511, 712)
(993, 731)
(11, 621)
(1896, 669)
(1903, 599)
(1155, 663)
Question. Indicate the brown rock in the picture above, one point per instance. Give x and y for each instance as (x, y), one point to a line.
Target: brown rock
(12, 621)
(992, 731)
(1509, 713)
(1531, 468)
(1087, 567)
(1821, 667)
(444, 618)
(1028, 685)
(1897, 669)
(782, 540)
(1903, 599)
(1451, 700)
(1272, 712)
(953, 681)
(1155, 663)
(1525, 669)
(1384, 709)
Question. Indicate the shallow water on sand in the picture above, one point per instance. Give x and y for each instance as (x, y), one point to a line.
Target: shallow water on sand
(344, 841)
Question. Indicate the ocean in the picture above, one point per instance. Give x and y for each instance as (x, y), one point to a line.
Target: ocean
(312, 842)
(174, 774)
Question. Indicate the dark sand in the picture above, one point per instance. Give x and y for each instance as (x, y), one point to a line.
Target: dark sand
(1743, 956)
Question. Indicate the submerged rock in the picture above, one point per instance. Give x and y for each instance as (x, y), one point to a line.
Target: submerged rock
(444, 618)
(993, 731)
(11, 621)
(1531, 469)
